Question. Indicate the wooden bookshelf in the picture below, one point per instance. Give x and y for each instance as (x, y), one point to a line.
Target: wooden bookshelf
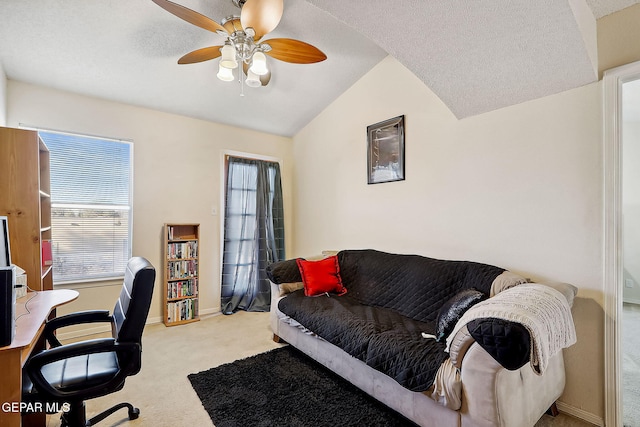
(181, 271)
(25, 190)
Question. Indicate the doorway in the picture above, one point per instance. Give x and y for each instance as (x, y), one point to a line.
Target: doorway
(622, 240)
(253, 232)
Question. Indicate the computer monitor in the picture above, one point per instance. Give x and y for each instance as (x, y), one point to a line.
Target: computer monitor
(5, 250)
(7, 286)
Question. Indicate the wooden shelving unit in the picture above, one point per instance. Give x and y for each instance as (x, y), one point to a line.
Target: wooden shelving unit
(181, 287)
(25, 198)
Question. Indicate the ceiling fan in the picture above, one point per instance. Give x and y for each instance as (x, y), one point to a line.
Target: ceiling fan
(244, 44)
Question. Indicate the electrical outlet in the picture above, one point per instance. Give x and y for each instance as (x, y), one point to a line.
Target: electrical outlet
(214, 211)
(628, 283)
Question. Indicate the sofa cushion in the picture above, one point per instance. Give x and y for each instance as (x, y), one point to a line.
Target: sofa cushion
(453, 309)
(412, 285)
(284, 272)
(321, 276)
(401, 353)
(287, 288)
(380, 337)
(341, 321)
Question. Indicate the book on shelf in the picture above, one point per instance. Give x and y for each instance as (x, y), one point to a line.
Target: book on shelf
(182, 232)
(47, 258)
(182, 250)
(182, 288)
(182, 310)
(182, 269)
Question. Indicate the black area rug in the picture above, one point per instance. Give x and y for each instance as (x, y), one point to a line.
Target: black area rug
(285, 388)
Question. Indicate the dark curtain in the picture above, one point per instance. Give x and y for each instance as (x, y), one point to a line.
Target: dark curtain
(253, 233)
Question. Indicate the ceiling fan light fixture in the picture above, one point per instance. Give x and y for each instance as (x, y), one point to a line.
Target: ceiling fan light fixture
(244, 44)
(225, 74)
(228, 59)
(253, 80)
(259, 64)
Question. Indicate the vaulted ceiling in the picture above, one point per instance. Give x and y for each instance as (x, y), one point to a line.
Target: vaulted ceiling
(477, 56)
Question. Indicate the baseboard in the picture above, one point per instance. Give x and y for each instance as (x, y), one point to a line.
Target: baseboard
(209, 312)
(83, 332)
(153, 320)
(581, 414)
(631, 300)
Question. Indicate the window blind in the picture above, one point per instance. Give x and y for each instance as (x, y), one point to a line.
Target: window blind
(90, 206)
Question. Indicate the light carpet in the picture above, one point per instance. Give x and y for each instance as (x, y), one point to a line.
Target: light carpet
(164, 394)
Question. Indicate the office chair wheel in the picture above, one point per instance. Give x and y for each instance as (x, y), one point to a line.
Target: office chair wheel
(134, 413)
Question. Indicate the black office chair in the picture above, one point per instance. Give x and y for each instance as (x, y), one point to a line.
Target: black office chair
(84, 370)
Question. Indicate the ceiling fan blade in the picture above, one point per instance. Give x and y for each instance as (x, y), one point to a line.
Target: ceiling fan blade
(200, 55)
(295, 51)
(261, 15)
(190, 16)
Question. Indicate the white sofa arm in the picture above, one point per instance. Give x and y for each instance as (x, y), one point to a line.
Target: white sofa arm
(275, 298)
(494, 396)
(459, 346)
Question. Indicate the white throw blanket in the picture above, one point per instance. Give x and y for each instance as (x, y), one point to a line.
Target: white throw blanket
(542, 310)
(447, 386)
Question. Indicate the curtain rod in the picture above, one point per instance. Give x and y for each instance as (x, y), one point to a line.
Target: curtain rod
(88, 135)
(250, 156)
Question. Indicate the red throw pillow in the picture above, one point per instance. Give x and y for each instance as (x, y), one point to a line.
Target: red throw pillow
(322, 276)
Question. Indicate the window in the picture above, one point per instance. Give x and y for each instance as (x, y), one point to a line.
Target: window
(90, 206)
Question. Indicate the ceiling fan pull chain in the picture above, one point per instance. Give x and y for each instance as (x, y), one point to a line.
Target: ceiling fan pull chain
(241, 83)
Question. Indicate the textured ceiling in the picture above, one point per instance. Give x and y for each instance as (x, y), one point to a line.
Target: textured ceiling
(128, 50)
(602, 8)
(480, 55)
(475, 55)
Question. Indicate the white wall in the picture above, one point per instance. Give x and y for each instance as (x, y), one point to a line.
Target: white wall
(177, 175)
(618, 35)
(519, 188)
(3, 96)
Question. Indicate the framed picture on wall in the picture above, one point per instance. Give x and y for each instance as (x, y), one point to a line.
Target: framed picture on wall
(385, 151)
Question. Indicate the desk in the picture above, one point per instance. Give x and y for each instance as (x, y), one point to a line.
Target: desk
(28, 330)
